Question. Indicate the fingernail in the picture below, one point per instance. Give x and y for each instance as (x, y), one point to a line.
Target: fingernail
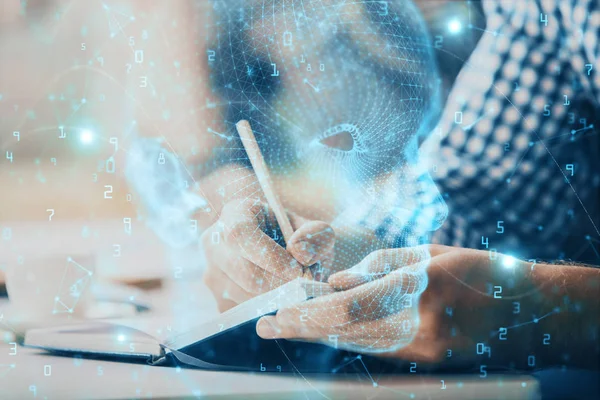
(305, 253)
(268, 328)
(346, 278)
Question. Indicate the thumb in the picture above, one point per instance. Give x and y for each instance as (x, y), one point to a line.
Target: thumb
(379, 264)
(312, 241)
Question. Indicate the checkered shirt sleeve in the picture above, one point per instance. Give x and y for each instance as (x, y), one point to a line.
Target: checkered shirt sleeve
(512, 154)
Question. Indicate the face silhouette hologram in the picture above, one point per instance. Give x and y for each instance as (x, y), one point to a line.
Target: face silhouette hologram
(339, 94)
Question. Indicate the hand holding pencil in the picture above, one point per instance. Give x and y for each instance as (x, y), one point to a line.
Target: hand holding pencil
(247, 261)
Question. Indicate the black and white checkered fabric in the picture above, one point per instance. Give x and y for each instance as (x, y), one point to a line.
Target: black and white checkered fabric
(514, 154)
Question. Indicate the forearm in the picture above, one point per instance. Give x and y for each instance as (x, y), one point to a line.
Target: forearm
(568, 326)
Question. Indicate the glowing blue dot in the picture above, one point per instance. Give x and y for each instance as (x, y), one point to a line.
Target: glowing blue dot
(509, 261)
(86, 136)
(454, 26)
(121, 338)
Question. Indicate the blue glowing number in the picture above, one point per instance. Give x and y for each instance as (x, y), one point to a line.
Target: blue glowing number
(211, 55)
(287, 38)
(161, 158)
(127, 225)
(275, 71)
(458, 117)
(114, 141)
(544, 19)
(77, 360)
(531, 361)
(571, 167)
(482, 371)
(533, 262)
(177, 272)
(571, 118)
(480, 348)
(502, 334)
(493, 253)
(108, 192)
(9, 156)
(322, 67)
(485, 242)
(547, 111)
(546, 339)
(17, 135)
(500, 226)
(413, 367)
(33, 389)
(449, 353)
(567, 102)
(47, 370)
(516, 307)
(383, 9)
(498, 292)
(110, 165)
(439, 40)
(589, 67)
(139, 56)
(443, 385)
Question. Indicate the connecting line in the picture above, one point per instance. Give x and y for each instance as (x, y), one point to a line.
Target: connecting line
(573, 132)
(221, 135)
(367, 371)
(469, 8)
(593, 247)
(359, 358)
(533, 321)
(318, 233)
(5, 369)
(495, 33)
(315, 88)
(336, 369)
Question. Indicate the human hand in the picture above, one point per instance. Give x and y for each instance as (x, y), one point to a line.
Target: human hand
(243, 259)
(428, 304)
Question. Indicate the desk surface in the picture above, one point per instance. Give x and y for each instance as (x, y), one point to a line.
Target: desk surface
(33, 374)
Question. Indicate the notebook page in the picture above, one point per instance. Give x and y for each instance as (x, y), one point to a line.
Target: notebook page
(287, 295)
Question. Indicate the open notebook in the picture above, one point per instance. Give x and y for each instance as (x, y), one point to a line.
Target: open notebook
(227, 342)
